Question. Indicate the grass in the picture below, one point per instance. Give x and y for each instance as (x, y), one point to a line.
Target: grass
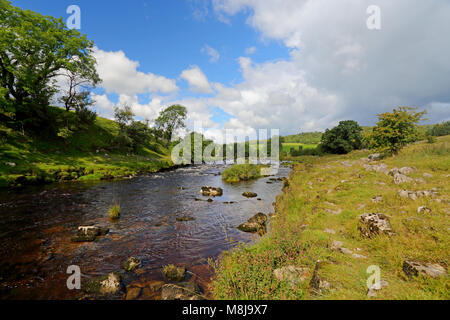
(288, 146)
(317, 187)
(242, 172)
(114, 212)
(86, 156)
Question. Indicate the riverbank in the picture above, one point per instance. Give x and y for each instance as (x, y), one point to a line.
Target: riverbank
(87, 155)
(318, 218)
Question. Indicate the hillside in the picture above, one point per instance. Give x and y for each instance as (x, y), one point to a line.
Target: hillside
(87, 155)
(318, 218)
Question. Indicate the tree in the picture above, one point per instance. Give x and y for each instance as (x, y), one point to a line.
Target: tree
(395, 129)
(123, 115)
(342, 139)
(171, 119)
(440, 130)
(34, 50)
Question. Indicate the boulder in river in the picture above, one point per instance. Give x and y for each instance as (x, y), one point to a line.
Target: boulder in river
(89, 233)
(248, 194)
(185, 219)
(105, 285)
(257, 223)
(181, 291)
(174, 273)
(211, 191)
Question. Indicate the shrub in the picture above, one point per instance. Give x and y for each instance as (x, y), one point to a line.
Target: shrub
(395, 130)
(440, 130)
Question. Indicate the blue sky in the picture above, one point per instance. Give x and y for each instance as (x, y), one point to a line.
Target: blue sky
(293, 65)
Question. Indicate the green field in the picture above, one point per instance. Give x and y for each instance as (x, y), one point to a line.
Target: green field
(287, 146)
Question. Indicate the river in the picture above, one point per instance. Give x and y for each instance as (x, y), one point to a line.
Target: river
(37, 223)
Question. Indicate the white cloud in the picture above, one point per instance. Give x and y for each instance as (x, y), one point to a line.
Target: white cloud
(250, 50)
(339, 69)
(213, 54)
(120, 75)
(197, 80)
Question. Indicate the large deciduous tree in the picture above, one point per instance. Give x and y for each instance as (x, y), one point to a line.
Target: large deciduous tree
(34, 50)
(342, 139)
(170, 120)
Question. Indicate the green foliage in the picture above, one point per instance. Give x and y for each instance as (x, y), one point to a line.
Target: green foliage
(440, 130)
(431, 139)
(395, 130)
(34, 49)
(170, 120)
(342, 139)
(242, 172)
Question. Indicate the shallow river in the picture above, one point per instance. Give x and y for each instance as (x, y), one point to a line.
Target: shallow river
(36, 225)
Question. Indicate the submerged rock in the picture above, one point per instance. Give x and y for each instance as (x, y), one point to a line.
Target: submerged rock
(414, 268)
(105, 285)
(132, 264)
(373, 224)
(89, 233)
(257, 223)
(181, 291)
(248, 194)
(174, 273)
(185, 219)
(211, 191)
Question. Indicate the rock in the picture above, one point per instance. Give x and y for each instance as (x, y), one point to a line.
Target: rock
(404, 171)
(372, 293)
(335, 212)
(89, 233)
(317, 284)
(414, 195)
(331, 231)
(181, 291)
(413, 269)
(185, 219)
(211, 191)
(377, 168)
(338, 246)
(427, 175)
(335, 245)
(174, 273)
(132, 264)
(401, 178)
(257, 223)
(419, 180)
(377, 199)
(373, 224)
(210, 200)
(10, 164)
(250, 194)
(105, 285)
(293, 275)
(423, 209)
(133, 293)
(375, 157)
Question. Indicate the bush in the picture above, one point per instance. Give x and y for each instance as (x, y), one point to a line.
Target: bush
(395, 130)
(242, 172)
(342, 139)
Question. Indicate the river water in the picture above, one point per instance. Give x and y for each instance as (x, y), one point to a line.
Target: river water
(36, 225)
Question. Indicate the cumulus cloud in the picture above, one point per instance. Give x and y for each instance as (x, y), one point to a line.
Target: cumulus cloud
(120, 75)
(213, 54)
(339, 69)
(197, 80)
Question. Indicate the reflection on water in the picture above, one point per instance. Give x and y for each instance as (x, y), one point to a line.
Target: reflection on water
(36, 226)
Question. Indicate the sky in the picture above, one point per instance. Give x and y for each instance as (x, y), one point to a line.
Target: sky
(292, 65)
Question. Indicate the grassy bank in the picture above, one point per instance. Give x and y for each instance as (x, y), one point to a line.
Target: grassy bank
(87, 155)
(321, 204)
